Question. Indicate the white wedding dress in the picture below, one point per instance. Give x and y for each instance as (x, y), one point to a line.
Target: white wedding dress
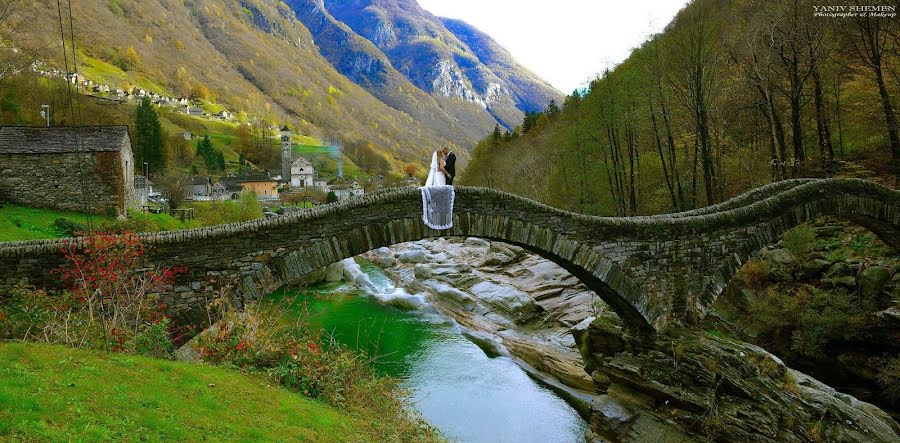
(435, 176)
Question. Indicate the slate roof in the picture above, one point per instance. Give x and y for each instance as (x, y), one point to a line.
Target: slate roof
(62, 139)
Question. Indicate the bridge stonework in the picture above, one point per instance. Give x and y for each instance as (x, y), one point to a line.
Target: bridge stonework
(654, 271)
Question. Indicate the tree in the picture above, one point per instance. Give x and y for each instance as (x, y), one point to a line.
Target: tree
(331, 198)
(15, 30)
(695, 55)
(131, 59)
(869, 44)
(552, 109)
(148, 137)
(174, 187)
(410, 170)
(212, 158)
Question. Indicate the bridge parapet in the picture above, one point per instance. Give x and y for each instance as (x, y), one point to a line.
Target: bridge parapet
(654, 271)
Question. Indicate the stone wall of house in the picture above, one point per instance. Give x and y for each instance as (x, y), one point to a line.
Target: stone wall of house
(94, 182)
(654, 272)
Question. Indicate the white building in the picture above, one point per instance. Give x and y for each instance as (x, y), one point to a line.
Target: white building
(303, 175)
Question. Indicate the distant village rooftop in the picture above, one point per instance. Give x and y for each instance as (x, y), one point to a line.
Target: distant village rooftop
(62, 139)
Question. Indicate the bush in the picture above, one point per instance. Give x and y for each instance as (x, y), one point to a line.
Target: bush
(68, 226)
(754, 274)
(889, 379)
(106, 303)
(222, 212)
(260, 339)
(153, 340)
(799, 241)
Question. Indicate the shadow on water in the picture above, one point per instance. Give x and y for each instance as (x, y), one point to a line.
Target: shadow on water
(457, 388)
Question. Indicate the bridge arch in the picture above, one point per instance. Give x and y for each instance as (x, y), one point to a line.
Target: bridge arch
(879, 217)
(655, 271)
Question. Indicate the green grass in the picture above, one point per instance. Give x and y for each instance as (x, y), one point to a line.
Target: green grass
(21, 223)
(54, 393)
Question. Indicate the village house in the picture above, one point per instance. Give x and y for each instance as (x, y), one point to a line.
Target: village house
(85, 169)
(143, 190)
(343, 190)
(262, 184)
(199, 188)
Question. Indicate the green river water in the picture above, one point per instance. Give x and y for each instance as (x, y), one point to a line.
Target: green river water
(456, 387)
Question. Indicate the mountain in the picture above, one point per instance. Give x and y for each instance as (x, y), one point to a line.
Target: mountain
(445, 58)
(388, 79)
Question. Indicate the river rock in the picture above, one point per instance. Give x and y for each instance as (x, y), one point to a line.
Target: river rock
(688, 385)
(383, 257)
(334, 272)
(477, 242)
(782, 256)
(412, 256)
(353, 273)
(872, 280)
(403, 300)
(489, 343)
(505, 298)
(840, 269)
(450, 293)
(422, 271)
(814, 267)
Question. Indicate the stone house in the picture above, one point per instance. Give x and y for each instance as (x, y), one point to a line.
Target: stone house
(199, 188)
(85, 169)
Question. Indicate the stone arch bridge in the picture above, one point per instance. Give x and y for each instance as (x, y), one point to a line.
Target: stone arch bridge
(655, 271)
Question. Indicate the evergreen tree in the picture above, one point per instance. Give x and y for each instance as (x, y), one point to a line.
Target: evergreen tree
(148, 137)
(212, 158)
(552, 109)
(496, 135)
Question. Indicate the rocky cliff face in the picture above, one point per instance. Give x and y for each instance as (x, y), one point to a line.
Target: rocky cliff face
(693, 386)
(432, 54)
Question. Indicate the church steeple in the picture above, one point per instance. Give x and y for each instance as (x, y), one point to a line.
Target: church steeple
(286, 154)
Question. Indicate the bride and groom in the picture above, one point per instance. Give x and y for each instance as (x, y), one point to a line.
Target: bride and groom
(437, 196)
(443, 168)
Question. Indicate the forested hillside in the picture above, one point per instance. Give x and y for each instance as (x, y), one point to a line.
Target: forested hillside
(273, 62)
(731, 95)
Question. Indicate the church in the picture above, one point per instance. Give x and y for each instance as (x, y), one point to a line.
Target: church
(299, 172)
(303, 175)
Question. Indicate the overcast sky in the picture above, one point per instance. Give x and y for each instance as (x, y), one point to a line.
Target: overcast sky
(566, 42)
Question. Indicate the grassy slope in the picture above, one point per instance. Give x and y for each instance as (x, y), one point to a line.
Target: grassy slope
(57, 393)
(21, 223)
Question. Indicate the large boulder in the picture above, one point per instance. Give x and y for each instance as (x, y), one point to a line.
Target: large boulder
(334, 272)
(782, 257)
(383, 257)
(412, 256)
(504, 298)
(872, 280)
(450, 293)
(813, 268)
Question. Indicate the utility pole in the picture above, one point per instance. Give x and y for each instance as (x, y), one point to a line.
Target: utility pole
(45, 112)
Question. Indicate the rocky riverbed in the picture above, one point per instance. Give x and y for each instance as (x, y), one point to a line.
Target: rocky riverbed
(681, 386)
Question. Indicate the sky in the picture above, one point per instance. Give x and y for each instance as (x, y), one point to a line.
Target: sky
(566, 42)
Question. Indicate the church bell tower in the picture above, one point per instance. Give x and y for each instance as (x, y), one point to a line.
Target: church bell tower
(286, 155)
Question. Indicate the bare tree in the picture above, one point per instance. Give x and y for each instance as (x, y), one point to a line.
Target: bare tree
(18, 48)
(869, 43)
(694, 75)
(174, 187)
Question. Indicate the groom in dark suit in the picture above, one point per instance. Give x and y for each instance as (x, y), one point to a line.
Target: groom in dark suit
(450, 167)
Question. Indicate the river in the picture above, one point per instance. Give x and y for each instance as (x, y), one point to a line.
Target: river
(456, 387)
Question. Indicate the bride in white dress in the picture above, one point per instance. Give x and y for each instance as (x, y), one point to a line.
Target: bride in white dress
(436, 175)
